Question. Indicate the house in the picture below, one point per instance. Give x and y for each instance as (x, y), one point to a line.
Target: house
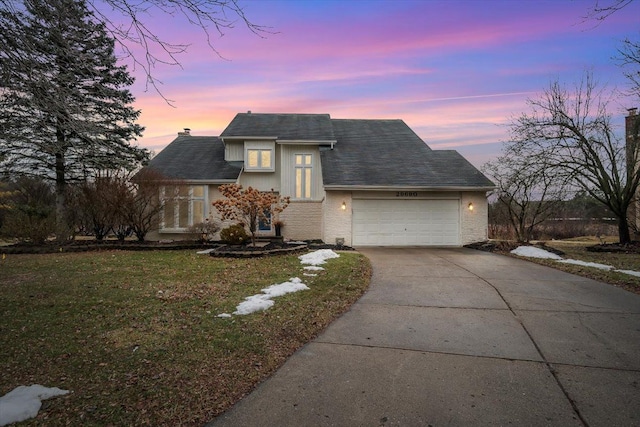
(360, 182)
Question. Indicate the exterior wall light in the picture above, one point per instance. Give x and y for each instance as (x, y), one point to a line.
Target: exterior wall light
(470, 206)
(344, 206)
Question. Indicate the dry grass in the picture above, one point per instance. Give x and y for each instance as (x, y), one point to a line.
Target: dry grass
(135, 337)
(576, 249)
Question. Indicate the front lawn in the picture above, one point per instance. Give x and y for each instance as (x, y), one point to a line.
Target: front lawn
(578, 250)
(134, 335)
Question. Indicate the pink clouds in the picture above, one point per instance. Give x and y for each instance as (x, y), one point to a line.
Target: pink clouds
(454, 71)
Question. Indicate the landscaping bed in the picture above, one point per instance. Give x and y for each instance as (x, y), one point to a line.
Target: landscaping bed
(270, 247)
(103, 245)
(250, 251)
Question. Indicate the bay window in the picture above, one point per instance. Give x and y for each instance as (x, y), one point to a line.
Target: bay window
(184, 206)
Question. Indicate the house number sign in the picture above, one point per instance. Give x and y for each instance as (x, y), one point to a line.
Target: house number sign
(406, 194)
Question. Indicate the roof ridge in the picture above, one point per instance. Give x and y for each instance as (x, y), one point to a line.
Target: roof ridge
(370, 120)
(251, 113)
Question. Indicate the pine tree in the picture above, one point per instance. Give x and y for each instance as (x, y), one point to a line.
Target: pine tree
(65, 106)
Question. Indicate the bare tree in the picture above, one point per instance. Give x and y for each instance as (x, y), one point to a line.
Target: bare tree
(629, 57)
(97, 203)
(629, 53)
(572, 131)
(143, 205)
(529, 191)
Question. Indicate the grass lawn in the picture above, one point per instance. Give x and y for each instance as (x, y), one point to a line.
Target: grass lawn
(576, 249)
(134, 335)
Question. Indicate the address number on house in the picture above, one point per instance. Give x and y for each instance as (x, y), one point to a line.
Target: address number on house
(406, 194)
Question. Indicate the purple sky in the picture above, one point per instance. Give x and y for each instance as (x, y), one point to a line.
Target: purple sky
(454, 71)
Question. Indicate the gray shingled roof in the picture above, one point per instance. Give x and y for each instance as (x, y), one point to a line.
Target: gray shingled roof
(368, 153)
(310, 127)
(195, 158)
(387, 153)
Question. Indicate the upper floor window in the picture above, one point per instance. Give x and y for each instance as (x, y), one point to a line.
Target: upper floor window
(259, 159)
(183, 206)
(303, 171)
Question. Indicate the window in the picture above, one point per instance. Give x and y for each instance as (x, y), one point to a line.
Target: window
(258, 159)
(183, 206)
(303, 170)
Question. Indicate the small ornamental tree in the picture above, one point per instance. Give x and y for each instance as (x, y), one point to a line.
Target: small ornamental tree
(249, 206)
(143, 205)
(98, 204)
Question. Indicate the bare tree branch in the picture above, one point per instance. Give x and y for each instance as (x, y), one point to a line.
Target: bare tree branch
(602, 10)
(133, 31)
(571, 132)
(128, 22)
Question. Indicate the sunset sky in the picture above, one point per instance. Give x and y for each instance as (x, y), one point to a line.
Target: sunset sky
(454, 71)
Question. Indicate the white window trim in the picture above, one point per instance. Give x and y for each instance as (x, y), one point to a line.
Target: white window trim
(302, 167)
(260, 147)
(176, 213)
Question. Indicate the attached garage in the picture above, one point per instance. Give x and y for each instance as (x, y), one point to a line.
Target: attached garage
(401, 222)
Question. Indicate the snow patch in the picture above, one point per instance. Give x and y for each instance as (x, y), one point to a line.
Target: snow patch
(586, 264)
(533, 252)
(293, 285)
(263, 301)
(24, 402)
(253, 303)
(318, 257)
(205, 251)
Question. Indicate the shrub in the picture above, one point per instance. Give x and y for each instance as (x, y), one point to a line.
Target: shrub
(30, 210)
(249, 205)
(204, 231)
(234, 235)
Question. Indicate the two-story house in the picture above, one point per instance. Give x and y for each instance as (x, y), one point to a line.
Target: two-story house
(361, 182)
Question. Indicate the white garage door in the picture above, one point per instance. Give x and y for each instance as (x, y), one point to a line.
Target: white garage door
(406, 222)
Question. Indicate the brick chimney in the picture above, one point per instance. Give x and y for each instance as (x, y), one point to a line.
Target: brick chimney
(632, 131)
(631, 124)
(632, 139)
(186, 132)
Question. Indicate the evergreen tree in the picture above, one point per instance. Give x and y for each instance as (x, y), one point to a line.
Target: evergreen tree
(65, 106)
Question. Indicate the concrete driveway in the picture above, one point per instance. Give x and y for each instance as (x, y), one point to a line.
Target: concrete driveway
(452, 337)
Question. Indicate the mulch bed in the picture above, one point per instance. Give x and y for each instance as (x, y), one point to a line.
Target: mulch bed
(493, 246)
(105, 245)
(249, 251)
(272, 248)
(220, 249)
